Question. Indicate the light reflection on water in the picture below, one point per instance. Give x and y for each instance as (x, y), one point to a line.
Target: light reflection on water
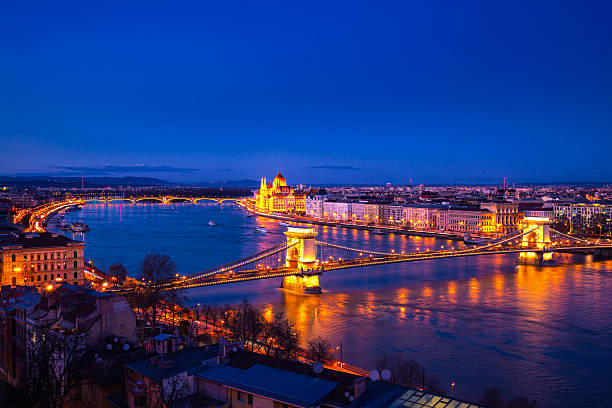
(545, 333)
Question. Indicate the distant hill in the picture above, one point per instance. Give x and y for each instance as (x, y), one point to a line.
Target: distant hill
(245, 183)
(75, 182)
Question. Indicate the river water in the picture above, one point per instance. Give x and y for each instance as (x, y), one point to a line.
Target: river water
(539, 332)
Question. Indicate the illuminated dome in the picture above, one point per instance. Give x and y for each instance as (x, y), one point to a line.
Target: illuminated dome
(279, 180)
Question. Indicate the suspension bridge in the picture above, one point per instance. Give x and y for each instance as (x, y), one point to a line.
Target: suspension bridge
(302, 259)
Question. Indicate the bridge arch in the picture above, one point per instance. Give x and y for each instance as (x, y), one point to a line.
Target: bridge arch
(120, 199)
(159, 199)
(216, 200)
(179, 199)
(94, 200)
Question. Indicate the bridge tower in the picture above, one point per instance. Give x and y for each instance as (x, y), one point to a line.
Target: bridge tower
(538, 241)
(301, 255)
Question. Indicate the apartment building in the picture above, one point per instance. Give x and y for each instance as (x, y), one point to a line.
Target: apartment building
(41, 259)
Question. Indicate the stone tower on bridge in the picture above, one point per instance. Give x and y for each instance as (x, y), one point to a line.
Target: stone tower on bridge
(538, 241)
(302, 255)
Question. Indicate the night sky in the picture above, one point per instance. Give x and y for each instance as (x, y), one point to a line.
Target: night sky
(332, 92)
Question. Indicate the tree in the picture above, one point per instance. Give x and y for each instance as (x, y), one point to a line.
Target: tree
(155, 269)
(118, 272)
(410, 373)
(492, 397)
(58, 363)
(319, 349)
(168, 392)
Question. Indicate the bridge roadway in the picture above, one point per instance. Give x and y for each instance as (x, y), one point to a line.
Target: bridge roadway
(327, 266)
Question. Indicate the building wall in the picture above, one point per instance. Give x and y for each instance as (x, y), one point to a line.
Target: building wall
(507, 216)
(42, 266)
(211, 389)
(313, 206)
(393, 214)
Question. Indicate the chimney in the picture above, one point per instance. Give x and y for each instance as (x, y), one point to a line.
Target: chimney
(359, 386)
(165, 364)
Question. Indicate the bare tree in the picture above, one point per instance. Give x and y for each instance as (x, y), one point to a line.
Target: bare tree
(410, 373)
(319, 349)
(118, 272)
(492, 397)
(168, 392)
(155, 269)
(58, 363)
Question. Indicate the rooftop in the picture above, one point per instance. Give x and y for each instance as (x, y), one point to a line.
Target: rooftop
(181, 361)
(282, 385)
(38, 240)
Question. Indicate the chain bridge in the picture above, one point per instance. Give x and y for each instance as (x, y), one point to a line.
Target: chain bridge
(301, 259)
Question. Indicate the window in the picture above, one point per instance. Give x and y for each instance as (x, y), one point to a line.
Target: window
(45, 277)
(38, 257)
(240, 397)
(74, 253)
(75, 264)
(51, 276)
(76, 275)
(65, 255)
(65, 275)
(51, 255)
(38, 278)
(45, 257)
(32, 257)
(13, 257)
(45, 267)
(38, 267)
(250, 399)
(25, 257)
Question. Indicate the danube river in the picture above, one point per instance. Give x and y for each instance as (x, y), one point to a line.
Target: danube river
(543, 333)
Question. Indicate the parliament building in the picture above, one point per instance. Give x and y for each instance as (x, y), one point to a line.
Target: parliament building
(280, 197)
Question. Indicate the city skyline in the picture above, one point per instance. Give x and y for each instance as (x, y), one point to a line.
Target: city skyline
(329, 93)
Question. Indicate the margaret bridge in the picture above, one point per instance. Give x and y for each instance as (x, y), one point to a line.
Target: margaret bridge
(301, 259)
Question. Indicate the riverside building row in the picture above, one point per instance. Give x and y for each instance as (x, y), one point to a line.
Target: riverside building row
(486, 219)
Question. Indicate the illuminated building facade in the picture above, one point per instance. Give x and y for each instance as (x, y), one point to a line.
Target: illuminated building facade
(41, 259)
(280, 197)
(507, 216)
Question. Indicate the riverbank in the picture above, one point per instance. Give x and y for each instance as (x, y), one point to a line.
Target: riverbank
(372, 228)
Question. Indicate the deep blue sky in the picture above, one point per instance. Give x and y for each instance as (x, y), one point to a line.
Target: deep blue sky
(363, 92)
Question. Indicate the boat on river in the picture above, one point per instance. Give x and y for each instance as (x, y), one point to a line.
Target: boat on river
(79, 227)
(212, 223)
(378, 231)
(261, 230)
(283, 224)
(468, 239)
